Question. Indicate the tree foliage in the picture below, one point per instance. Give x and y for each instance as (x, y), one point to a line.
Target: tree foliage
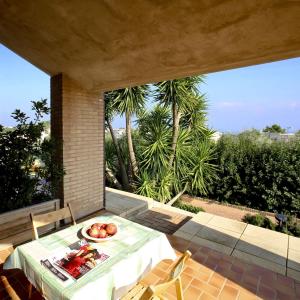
(275, 128)
(28, 173)
(291, 227)
(171, 142)
(257, 172)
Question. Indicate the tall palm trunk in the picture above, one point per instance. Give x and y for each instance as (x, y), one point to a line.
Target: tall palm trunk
(175, 133)
(124, 177)
(112, 178)
(133, 162)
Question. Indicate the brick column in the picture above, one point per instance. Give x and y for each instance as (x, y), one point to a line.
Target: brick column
(77, 125)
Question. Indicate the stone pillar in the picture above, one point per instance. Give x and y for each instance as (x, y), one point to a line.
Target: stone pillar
(77, 125)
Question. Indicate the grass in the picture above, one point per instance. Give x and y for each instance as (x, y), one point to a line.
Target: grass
(188, 207)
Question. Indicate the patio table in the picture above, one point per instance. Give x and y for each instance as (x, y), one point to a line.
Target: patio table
(134, 251)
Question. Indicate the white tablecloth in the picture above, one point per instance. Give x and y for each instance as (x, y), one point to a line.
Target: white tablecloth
(133, 252)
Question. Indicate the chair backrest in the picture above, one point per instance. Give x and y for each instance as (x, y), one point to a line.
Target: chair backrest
(51, 217)
(174, 278)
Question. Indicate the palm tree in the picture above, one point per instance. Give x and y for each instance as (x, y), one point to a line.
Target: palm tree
(129, 102)
(192, 168)
(109, 114)
(180, 95)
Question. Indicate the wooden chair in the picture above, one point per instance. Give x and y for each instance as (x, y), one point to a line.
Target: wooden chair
(9, 289)
(51, 217)
(142, 292)
(48, 218)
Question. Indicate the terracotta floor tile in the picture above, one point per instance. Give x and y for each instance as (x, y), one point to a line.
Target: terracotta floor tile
(224, 264)
(284, 280)
(216, 280)
(285, 289)
(192, 293)
(235, 285)
(193, 248)
(203, 286)
(203, 276)
(171, 290)
(266, 292)
(266, 274)
(250, 283)
(151, 278)
(235, 277)
(211, 263)
(160, 273)
(191, 271)
(170, 296)
(251, 279)
(283, 296)
(249, 287)
(206, 250)
(238, 269)
(205, 296)
(186, 280)
(247, 296)
(165, 265)
(199, 257)
(228, 293)
(297, 287)
(193, 264)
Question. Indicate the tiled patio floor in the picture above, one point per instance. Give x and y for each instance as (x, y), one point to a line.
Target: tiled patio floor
(208, 275)
(266, 248)
(162, 220)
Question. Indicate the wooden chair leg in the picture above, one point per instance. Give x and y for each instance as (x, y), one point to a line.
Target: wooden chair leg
(179, 291)
(29, 291)
(9, 289)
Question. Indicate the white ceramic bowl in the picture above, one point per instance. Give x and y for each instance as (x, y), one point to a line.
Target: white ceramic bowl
(97, 240)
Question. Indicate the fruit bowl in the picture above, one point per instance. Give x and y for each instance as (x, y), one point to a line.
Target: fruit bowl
(86, 229)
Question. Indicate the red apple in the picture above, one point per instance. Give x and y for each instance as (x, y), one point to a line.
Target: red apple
(103, 226)
(93, 232)
(111, 228)
(97, 225)
(102, 233)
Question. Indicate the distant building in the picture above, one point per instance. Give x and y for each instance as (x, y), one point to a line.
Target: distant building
(216, 136)
(285, 137)
(45, 133)
(119, 132)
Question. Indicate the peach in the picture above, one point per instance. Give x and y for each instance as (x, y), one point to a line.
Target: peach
(102, 233)
(93, 232)
(97, 225)
(111, 228)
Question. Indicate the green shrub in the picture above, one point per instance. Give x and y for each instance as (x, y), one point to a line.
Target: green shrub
(257, 172)
(22, 182)
(259, 220)
(292, 227)
(188, 207)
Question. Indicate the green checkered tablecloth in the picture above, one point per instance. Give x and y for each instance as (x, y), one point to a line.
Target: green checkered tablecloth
(133, 252)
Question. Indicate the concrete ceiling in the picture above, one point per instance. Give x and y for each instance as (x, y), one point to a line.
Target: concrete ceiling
(110, 44)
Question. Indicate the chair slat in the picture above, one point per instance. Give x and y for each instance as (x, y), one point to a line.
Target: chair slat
(51, 217)
(141, 292)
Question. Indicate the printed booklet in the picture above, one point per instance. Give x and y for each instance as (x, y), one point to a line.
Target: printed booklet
(76, 260)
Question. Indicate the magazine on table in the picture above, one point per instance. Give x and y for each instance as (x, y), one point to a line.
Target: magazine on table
(75, 260)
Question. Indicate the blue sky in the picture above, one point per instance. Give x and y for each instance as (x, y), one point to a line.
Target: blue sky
(238, 99)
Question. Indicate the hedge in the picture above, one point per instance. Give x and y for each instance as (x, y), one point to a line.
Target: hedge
(257, 172)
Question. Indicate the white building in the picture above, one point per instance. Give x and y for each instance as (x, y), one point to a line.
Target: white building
(216, 136)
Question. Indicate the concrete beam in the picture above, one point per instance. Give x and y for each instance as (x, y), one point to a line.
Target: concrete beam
(112, 44)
